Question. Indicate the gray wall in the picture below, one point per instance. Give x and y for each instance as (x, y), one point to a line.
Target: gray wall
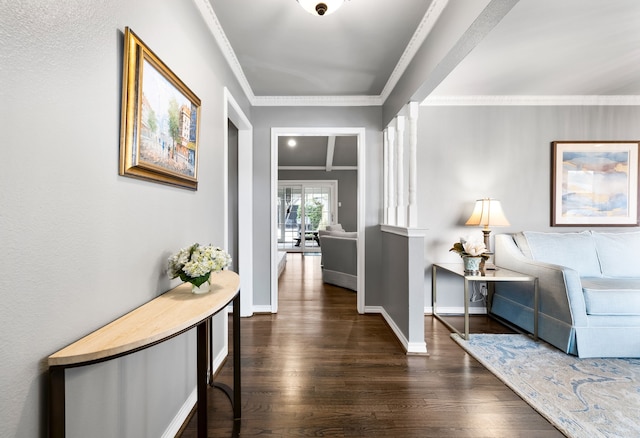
(466, 153)
(402, 267)
(81, 245)
(347, 191)
(265, 118)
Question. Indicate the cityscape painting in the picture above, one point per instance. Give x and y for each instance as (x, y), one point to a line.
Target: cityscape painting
(594, 183)
(160, 120)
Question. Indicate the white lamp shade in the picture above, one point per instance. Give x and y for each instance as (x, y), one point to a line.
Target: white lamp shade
(311, 6)
(488, 213)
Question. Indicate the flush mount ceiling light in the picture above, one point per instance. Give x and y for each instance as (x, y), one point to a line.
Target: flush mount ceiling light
(320, 7)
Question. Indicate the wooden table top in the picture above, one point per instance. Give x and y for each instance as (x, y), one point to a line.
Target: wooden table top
(167, 315)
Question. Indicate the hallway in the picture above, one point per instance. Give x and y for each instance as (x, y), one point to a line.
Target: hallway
(318, 368)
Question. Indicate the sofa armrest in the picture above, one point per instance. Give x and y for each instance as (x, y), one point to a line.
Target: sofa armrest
(339, 254)
(560, 287)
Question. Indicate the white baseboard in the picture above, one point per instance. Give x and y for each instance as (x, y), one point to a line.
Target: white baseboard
(187, 406)
(459, 310)
(262, 309)
(182, 415)
(409, 347)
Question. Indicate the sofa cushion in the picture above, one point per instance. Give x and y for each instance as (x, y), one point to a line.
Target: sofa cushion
(612, 296)
(573, 250)
(335, 227)
(618, 253)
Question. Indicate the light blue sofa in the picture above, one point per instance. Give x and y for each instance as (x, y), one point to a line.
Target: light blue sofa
(589, 286)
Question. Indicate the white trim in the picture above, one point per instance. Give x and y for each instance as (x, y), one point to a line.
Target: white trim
(401, 206)
(421, 33)
(409, 347)
(531, 100)
(233, 112)
(423, 30)
(360, 135)
(317, 101)
(331, 148)
(323, 168)
(456, 311)
(262, 309)
(182, 415)
(404, 231)
(211, 20)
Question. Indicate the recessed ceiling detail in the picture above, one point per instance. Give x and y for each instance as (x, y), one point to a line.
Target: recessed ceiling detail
(580, 51)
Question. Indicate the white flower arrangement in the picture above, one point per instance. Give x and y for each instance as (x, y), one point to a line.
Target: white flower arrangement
(194, 264)
(471, 246)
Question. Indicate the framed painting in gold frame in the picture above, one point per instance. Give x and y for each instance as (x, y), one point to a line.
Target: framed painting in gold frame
(160, 120)
(594, 183)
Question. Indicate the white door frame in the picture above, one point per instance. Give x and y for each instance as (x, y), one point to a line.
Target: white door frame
(234, 113)
(359, 133)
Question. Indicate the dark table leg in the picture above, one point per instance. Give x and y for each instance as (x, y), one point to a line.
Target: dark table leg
(56, 402)
(202, 379)
(237, 398)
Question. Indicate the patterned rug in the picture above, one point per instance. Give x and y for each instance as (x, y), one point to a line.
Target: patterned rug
(581, 397)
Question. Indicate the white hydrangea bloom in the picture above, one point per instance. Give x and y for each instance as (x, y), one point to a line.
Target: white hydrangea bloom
(197, 262)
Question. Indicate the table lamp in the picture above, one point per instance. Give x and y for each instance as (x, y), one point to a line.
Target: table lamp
(487, 213)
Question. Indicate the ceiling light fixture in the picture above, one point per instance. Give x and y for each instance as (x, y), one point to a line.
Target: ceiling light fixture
(292, 142)
(323, 7)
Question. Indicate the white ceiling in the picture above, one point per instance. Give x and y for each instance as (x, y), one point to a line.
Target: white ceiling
(555, 47)
(541, 47)
(540, 52)
(285, 51)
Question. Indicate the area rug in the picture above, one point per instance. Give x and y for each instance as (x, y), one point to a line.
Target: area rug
(580, 397)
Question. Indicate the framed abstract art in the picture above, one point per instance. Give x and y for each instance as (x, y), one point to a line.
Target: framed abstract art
(594, 183)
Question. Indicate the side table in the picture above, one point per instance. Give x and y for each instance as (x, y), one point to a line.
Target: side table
(489, 276)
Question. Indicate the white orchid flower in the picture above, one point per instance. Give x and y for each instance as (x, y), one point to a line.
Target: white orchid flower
(474, 247)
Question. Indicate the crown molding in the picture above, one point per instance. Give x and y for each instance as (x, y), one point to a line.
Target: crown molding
(212, 22)
(424, 29)
(317, 101)
(531, 101)
(322, 168)
(421, 33)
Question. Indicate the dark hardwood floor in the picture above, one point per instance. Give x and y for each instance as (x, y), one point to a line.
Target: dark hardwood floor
(318, 368)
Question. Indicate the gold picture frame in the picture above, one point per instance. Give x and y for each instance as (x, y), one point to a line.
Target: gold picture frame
(160, 120)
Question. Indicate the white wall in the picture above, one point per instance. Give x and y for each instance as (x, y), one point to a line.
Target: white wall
(466, 153)
(81, 245)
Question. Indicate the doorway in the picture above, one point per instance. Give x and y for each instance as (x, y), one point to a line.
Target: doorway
(359, 134)
(239, 212)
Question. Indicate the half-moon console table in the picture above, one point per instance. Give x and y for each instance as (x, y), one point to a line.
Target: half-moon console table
(162, 318)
